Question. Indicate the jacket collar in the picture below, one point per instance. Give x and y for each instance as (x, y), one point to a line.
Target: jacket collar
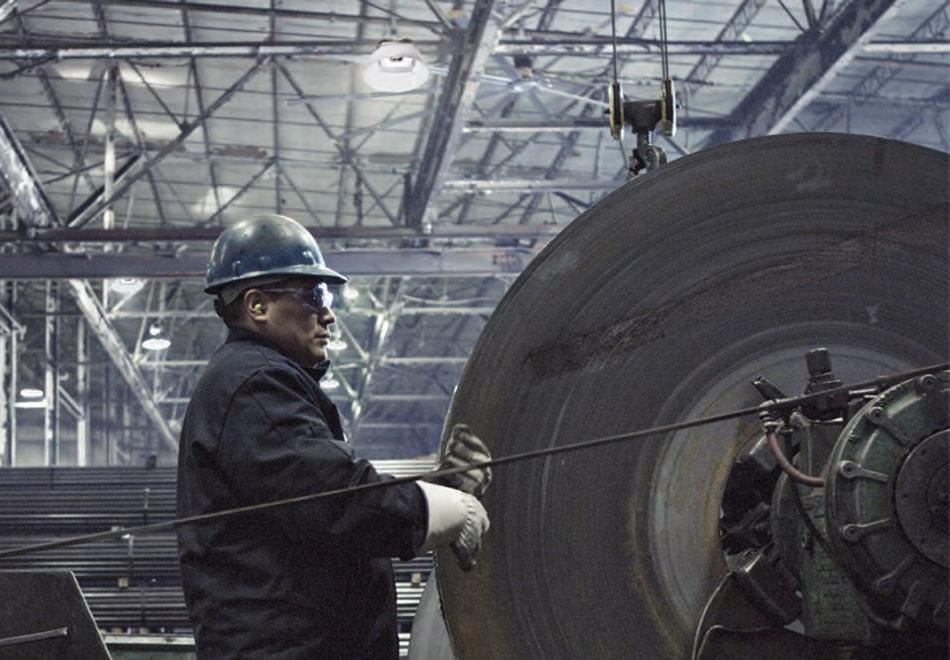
(240, 334)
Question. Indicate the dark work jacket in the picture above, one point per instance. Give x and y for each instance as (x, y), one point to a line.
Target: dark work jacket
(305, 581)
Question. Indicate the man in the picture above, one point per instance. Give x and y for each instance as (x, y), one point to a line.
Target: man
(308, 580)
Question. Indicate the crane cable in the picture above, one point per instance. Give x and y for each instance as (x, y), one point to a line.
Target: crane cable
(613, 38)
(779, 405)
(664, 42)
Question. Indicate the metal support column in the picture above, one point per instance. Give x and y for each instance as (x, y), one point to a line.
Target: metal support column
(108, 183)
(10, 332)
(82, 393)
(51, 326)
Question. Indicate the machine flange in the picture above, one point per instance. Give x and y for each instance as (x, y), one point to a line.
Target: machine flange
(885, 496)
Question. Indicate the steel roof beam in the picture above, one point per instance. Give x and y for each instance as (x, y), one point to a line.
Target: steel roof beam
(34, 208)
(574, 46)
(140, 168)
(564, 125)
(100, 192)
(381, 331)
(199, 100)
(419, 361)
(140, 143)
(938, 105)
(472, 262)
(909, 47)
(472, 48)
(324, 16)
(732, 30)
(530, 185)
(345, 155)
(189, 234)
(799, 75)
(383, 398)
(65, 125)
(240, 191)
(507, 104)
(872, 82)
(57, 107)
(583, 46)
(275, 117)
(95, 315)
(187, 314)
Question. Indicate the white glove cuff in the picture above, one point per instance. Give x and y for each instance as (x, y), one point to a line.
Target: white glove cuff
(448, 512)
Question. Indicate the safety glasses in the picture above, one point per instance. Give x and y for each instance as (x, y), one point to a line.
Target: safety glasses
(318, 298)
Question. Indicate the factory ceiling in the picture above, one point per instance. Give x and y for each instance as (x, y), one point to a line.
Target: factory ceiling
(134, 130)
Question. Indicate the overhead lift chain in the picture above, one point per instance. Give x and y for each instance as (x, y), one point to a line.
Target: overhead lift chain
(776, 405)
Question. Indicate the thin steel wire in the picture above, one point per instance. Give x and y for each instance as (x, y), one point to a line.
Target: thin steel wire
(779, 405)
(613, 36)
(664, 42)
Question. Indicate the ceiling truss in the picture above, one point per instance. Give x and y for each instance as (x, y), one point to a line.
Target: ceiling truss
(129, 149)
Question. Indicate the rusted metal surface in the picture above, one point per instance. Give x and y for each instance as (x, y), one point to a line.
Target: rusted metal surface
(660, 304)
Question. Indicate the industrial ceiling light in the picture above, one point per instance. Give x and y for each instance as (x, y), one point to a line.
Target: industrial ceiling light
(349, 293)
(329, 383)
(336, 344)
(32, 393)
(127, 285)
(32, 403)
(156, 344)
(395, 66)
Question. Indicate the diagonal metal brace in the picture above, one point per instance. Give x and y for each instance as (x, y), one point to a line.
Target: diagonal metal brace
(142, 167)
(33, 206)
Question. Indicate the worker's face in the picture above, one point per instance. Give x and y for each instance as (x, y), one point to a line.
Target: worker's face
(290, 316)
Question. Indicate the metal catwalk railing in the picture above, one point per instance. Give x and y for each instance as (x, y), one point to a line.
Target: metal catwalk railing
(132, 584)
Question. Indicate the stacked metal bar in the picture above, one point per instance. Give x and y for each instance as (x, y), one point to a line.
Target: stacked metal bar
(132, 583)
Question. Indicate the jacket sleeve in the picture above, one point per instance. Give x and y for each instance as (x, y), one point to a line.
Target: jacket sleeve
(275, 444)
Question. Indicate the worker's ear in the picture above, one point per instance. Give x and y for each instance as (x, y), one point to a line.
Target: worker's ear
(255, 304)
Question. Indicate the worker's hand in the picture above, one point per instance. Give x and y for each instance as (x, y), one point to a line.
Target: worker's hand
(469, 542)
(464, 448)
(456, 518)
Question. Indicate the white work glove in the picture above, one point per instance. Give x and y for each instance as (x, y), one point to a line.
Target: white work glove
(465, 448)
(455, 518)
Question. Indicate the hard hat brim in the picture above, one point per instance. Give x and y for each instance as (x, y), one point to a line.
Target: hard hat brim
(322, 273)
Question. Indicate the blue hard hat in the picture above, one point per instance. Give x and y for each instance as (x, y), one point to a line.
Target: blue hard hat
(264, 246)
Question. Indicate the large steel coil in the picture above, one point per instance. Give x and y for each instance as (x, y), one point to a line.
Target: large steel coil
(657, 305)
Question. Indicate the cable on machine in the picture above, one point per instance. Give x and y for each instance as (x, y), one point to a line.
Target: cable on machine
(779, 405)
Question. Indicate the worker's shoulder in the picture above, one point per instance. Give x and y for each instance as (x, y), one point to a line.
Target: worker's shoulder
(237, 362)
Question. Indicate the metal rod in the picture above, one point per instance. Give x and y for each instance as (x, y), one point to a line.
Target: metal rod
(777, 405)
(613, 38)
(34, 637)
(572, 44)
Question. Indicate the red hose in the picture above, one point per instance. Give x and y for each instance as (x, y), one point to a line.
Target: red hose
(793, 473)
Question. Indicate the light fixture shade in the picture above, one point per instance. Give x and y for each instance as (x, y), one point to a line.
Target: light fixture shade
(337, 345)
(32, 403)
(330, 383)
(396, 66)
(156, 344)
(127, 285)
(32, 393)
